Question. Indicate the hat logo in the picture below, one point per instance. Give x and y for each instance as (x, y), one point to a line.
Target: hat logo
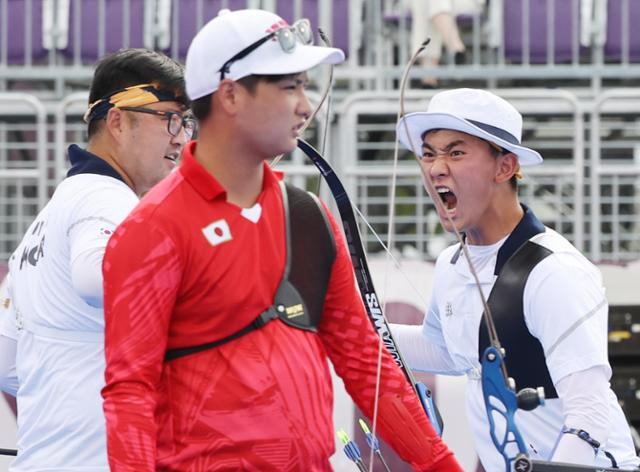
(276, 26)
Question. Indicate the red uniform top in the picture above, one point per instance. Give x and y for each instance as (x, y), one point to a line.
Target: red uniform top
(187, 267)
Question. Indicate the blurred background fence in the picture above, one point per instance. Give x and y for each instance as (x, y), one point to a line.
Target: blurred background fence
(572, 67)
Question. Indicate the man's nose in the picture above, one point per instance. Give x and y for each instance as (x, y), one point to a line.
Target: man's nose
(439, 166)
(304, 107)
(181, 138)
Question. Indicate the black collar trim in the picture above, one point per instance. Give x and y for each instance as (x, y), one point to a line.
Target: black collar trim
(528, 227)
(84, 162)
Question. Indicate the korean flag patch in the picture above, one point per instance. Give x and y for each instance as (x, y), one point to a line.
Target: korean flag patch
(217, 232)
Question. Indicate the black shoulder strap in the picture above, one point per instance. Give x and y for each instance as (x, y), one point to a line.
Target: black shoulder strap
(525, 358)
(312, 252)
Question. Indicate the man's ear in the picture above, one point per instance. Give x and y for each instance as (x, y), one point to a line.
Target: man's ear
(507, 167)
(115, 123)
(229, 96)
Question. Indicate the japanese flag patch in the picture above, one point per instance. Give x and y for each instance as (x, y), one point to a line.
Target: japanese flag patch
(217, 232)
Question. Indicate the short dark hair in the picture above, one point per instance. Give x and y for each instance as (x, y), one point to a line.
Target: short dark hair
(133, 66)
(201, 107)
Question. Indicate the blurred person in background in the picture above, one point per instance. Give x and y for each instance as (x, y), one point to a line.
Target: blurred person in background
(436, 19)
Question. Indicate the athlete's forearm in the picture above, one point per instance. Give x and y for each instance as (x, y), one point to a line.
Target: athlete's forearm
(419, 353)
(131, 429)
(584, 397)
(352, 345)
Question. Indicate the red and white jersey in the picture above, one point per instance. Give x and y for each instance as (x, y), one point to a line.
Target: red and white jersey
(186, 268)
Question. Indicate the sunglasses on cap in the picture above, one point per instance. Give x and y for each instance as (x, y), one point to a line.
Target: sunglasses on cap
(287, 37)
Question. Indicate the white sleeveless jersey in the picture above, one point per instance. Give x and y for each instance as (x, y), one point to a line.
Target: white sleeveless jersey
(60, 349)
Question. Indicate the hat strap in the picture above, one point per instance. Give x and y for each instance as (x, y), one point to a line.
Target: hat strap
(497, 132)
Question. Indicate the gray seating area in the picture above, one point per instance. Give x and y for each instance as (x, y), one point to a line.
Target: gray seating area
(96, 28)
(22, 22)
(565, 40)
(571, 66)
(542, 32)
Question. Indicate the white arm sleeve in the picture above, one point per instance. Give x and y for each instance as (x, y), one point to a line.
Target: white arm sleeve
(567, 312)
(585, 406)
(90, 227)
(8, 377)
(418, 352)
(86, 275)
(566, 309)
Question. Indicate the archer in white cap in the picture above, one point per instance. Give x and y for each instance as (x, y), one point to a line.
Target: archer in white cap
(217, 340)
(547, 299)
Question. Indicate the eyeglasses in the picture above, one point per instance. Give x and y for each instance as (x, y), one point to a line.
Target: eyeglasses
(175, 121)
(286, 36)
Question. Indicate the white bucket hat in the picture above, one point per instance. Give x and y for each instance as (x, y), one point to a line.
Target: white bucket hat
(229, 33)
(472, 111)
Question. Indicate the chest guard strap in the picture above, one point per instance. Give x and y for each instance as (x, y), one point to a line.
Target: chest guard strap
(525, 358)
(310, 253)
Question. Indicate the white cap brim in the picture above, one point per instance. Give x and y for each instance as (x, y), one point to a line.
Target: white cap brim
(413, 126)
(302, 58)
(232, 32)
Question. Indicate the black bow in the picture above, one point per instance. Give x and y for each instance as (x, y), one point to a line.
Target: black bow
(365, 281)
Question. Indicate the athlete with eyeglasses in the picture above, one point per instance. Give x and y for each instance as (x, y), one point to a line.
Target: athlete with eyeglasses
(218, 341)
(51, 317)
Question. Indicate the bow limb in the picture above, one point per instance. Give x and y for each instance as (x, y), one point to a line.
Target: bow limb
(364, 279)
(498, 388)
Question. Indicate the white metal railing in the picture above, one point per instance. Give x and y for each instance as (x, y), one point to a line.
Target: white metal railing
(600, 215)
(75, 104)
(23, 184)
(554, 189)
(65, 38)
(608, 242)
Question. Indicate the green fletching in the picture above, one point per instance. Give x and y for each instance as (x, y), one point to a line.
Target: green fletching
(364, 426)
(344, 437)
